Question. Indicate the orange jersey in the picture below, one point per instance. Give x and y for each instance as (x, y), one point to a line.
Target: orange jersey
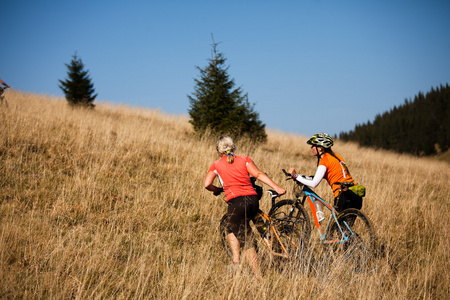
(337, 171)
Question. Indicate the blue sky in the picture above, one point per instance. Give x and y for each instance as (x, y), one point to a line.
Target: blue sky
(308, 65)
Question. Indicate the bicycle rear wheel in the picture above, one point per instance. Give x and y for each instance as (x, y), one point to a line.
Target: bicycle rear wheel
(293, 225)
(359, 247)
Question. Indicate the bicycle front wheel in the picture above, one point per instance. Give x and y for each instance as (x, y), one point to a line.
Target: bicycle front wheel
(292, 223)
(356, 238)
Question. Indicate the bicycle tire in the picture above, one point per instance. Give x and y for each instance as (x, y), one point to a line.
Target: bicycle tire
(293, 225)
(360, 247)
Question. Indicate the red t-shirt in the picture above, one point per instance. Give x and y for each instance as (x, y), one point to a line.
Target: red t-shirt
(234, 177)
(336, 171)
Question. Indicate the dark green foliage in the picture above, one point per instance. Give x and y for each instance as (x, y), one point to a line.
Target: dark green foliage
(419, 127)
(78, 88)
(217, 107)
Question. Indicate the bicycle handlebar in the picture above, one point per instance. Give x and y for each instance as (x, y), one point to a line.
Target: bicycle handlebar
(287, 175)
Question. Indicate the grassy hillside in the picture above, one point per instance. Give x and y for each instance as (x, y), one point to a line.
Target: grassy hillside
(109, 203)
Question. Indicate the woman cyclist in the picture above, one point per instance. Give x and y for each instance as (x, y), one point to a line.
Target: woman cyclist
(243, 203)
(333, 168)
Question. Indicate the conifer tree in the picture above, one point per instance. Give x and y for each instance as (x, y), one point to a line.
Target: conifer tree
(78, 88)
(219, 107)
(420, 126)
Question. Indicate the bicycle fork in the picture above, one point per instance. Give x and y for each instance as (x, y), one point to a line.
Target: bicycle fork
(345, 236)
(270, 242)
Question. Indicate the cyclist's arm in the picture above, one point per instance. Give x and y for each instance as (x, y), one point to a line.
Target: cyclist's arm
(208, 184)
(320, 172)
(261, 176)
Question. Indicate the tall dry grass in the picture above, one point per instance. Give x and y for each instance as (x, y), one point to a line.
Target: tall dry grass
(109, 203)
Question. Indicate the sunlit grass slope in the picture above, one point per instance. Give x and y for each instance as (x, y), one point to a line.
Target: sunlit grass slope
(109, 203)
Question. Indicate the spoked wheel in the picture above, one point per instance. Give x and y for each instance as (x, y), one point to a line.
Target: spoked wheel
(358, 239)
(290, 218)
(293, 226)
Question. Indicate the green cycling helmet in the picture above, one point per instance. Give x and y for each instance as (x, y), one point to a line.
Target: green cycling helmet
(321, 139)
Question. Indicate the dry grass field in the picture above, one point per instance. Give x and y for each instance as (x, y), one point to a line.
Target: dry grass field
(109, 204)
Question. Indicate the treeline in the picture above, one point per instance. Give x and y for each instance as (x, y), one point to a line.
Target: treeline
(419, 127)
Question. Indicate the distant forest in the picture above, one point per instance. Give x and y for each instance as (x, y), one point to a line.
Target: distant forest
(419, 127)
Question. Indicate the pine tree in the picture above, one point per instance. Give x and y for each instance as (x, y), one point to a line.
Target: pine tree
(78, 88)
(419, 126)
(218, 107)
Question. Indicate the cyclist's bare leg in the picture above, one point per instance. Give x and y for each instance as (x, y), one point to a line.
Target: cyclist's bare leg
(250, 255)
(253, 261)
(235, 247)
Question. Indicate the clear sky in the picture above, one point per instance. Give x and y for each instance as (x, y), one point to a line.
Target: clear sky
(308, 65)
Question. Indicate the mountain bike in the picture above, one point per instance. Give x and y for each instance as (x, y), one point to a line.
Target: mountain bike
(2, 95)
(277, 235)
(348, 234)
